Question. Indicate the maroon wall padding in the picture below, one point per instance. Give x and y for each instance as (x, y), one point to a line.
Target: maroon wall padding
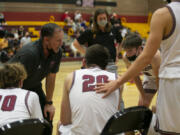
(45, 16)
(136, 19)
(30, 16)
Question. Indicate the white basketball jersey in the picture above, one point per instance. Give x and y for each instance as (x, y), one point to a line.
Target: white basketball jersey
(170, 47)
(89, 110)
(168, 101)
(17, 104)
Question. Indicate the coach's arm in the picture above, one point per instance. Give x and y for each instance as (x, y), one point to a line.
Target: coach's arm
(79, 47)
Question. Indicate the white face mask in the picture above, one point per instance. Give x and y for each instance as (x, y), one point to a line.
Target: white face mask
(102, 23)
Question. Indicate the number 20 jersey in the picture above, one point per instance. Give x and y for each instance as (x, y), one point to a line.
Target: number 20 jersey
(89, 111)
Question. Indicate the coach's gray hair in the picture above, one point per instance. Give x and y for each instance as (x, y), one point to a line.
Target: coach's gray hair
(48, 30)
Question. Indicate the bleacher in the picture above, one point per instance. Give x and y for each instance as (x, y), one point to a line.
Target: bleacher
(141, 28)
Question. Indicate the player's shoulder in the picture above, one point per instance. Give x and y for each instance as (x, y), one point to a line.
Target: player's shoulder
(77, 73)
(32, 94)
(21, 90)
(161, 12)
(28, 92)
(68, 79)
(81, 71)
(14, 91)
(106, 72)
(70, 75)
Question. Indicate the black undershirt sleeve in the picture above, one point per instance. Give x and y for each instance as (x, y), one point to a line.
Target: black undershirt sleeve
(118, 36)
(84, 37)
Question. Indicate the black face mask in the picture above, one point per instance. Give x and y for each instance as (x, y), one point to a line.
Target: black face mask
(132, 58)
(168, 1)
(51, 52)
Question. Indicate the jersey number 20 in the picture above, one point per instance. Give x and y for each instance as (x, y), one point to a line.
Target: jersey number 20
(89, 80)
(8, 102)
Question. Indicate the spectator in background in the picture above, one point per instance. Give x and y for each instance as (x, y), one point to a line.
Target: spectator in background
(115, 20)
(26, 39)
(15, 32)
(77, 16)
(91, 22)
(65, 16)
(2, 19)
(3, 41)
(13, 44)
(7, 45)
(21, 32)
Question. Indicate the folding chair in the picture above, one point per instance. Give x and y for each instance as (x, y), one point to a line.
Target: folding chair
(133, 118)
(26, 127)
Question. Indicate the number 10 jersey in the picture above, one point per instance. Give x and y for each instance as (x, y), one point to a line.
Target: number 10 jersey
(17, 104)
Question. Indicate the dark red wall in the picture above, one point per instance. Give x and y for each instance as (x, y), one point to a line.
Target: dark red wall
(45, 16)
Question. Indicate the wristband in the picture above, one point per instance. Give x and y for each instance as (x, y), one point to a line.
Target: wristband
(49, 102)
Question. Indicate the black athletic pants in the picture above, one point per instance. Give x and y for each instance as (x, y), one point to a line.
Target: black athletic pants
(42, 99)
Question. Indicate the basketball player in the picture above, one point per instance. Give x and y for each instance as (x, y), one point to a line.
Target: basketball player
(16, 103)
(164, 33)
(132, 45)
(83, 112)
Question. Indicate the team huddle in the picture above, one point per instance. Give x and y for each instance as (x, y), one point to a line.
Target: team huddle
(93, 94)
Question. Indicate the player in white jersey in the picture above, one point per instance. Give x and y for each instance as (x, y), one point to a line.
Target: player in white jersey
(83, 111)
(16, 103)
(132, 45)
(164, 32)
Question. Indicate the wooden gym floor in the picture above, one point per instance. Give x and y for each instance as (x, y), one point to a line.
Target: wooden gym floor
(130, 94)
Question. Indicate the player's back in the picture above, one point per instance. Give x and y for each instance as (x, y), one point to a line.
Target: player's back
(14, 105)
(89, 111)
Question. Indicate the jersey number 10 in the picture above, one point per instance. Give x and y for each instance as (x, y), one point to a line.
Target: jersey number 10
(8, 102)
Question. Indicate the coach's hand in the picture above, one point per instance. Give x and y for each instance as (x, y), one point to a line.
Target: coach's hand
(49, 109)
(107, 88)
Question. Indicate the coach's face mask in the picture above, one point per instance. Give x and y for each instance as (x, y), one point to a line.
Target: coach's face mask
(51, 52)
(102, 23)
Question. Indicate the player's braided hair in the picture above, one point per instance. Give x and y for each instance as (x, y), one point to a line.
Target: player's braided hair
(11, 75)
